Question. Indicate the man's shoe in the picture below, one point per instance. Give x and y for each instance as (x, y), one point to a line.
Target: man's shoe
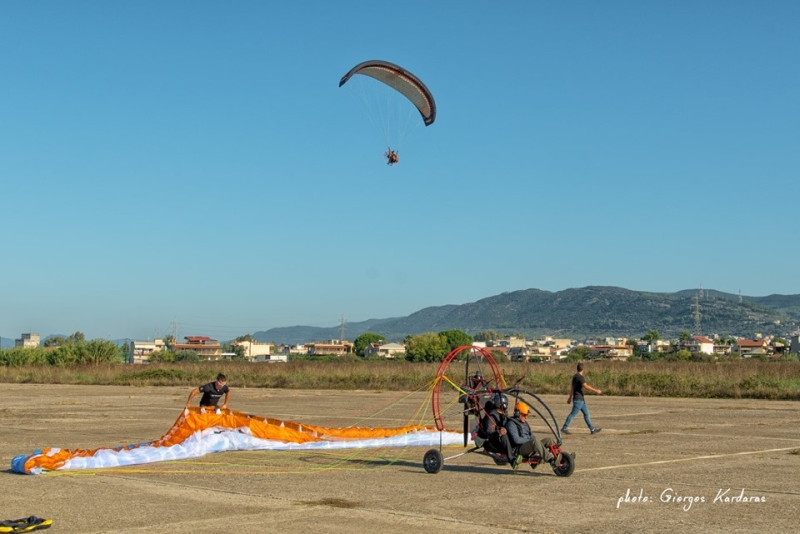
(596, 430)
(565, 431)
(516, 462)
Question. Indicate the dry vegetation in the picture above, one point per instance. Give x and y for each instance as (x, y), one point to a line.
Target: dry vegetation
(740, 379)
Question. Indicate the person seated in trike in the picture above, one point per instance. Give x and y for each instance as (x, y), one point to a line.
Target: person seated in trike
(525, 444)
(492, 434)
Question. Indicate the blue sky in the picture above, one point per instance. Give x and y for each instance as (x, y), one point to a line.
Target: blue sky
(197, 162)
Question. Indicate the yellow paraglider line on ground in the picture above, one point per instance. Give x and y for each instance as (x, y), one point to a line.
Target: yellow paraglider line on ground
(353, 461)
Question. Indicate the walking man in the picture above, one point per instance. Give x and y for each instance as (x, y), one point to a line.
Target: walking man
(578, 402)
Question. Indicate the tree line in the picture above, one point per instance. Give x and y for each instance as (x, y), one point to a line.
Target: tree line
(428, 347)
(76, 350)
(70, 350)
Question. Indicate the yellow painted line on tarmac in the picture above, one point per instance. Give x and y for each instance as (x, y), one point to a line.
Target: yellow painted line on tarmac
(329, 462)
(632, 414)
(678, 460)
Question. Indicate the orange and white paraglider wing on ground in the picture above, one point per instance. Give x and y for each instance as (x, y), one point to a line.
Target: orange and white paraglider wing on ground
(196, 434)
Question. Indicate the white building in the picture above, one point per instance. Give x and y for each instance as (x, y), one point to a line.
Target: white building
(255, 351)
(141, 350)
(512, 341)
(271, 358)
(700, 344)
(387, 350)
(28, 341)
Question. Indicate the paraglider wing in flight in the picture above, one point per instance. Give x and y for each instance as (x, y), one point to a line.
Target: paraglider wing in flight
(402, 81)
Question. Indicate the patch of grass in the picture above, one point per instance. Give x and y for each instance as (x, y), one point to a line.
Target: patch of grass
(737, 380)
(796, 452)
(158, 375)
(693, 428)
(333, 502)
(648, 431)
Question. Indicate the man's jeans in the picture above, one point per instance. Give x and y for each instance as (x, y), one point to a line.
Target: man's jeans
(579, 406)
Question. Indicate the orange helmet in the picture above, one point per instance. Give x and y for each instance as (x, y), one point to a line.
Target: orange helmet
(522, 408)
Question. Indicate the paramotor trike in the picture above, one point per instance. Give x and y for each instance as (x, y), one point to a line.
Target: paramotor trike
(473, 399)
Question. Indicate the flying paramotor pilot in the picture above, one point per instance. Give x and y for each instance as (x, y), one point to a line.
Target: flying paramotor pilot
(391, 157)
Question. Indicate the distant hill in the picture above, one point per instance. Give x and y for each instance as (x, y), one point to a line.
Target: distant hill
(789, 304)
(592, 311)
(300, 334)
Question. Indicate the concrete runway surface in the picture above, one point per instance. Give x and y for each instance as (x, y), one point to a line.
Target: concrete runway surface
(659, 465)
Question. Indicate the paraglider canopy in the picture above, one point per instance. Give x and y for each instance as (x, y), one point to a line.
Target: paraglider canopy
(402, 81)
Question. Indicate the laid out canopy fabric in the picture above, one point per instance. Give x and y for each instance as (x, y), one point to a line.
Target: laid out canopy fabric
(196, 434)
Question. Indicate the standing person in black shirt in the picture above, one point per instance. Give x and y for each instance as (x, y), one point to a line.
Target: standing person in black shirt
(578, 402)
(211, 394)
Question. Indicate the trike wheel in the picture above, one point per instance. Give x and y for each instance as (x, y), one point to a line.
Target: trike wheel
(433, 461)
(566, 467)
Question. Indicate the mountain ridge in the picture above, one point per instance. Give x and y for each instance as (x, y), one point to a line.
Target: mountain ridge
(592, 311)
(577, 313)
